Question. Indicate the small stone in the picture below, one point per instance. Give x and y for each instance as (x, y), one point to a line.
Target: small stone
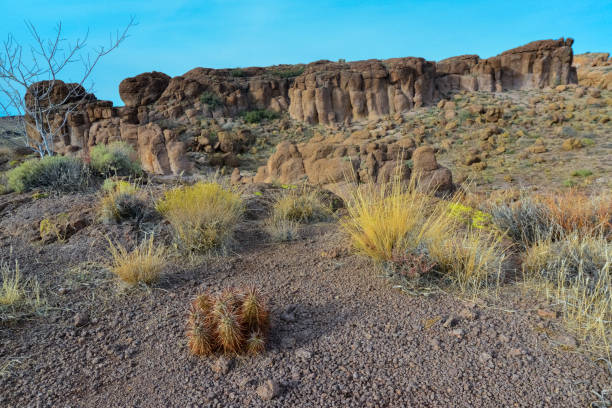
(566, 341)
(516, 352)
(63, 291)
(503, 338)
(450, 322)
(268, 390)
(81, 319)
(485, 357)
(303, 354)
(467, 314)
(547, 314)
(459, 333)
(221, 365)
(435, 344)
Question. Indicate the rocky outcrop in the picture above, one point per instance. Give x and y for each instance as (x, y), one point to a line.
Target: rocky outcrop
(594, 69)
(159, 108)
(357, 158)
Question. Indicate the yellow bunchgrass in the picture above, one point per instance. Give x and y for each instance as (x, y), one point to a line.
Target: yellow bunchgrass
(300, 205)
(385, 219)
(203, 216)
(18, 297)
(576, 273)
(11, 291)
(143, 264)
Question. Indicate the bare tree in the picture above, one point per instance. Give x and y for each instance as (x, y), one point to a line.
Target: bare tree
(30, 86)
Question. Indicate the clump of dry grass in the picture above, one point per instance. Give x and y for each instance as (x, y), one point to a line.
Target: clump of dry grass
(576, 273)
(143, 264)
(575, 211)
(233, 322)
(203, 216)
(18, 297)
(386, 220)
(281, 229)
(121, 200)
(300, 205)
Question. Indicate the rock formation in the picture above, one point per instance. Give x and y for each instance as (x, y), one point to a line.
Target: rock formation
(157, 107)
(594, 69)
(329, 161)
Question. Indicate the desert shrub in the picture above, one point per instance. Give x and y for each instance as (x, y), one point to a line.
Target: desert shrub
(576, 273)
(577, 212)
(525, 221)
(18, 297)
(289, 73)
(582, 173)
(281, 229)
(391, 223)
(54, 228)
(115, 159)
(233, 322)
(237, 73)
(58, 173)
(203, 216)
(468, 215)
(257, 116)
(142, 264)
(122, 200)
(300, 205)
(211, 99)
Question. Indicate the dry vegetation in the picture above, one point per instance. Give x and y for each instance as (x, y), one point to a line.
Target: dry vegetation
(203, 216)
(143, 264)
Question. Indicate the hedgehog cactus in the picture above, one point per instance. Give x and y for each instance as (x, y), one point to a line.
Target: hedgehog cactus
(233, 322)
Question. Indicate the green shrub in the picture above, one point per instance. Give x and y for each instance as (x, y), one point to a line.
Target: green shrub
(210, 99)
(115, 159)
(237, 73)
(257, 116)
(290, 73)
(59, 173)
(582, 173)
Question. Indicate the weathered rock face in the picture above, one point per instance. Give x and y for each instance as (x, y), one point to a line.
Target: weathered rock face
(143, 89)
(593, 69)
(358, 158)
(323, 92)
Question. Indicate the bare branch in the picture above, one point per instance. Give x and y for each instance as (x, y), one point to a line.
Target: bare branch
(35, 74)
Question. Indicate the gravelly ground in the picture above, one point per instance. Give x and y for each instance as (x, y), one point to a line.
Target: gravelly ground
(341, 335)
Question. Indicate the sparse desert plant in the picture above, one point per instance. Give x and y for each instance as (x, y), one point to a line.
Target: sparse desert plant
(122, 200)
(143, 264)
(18, 297)
(115, 159)
(525, 221)
(233, 322)
(203, 216)
(300, 205)
(576, 272)
(582, 173)
(59, 173)
(257, 116)
(290, 73)
(281, 229)
(575, 211)
(54, 228)
(211, 99)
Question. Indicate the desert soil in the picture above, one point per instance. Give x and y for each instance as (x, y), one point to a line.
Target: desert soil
(341, 334)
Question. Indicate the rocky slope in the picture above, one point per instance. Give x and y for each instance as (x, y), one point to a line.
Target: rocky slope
(159, 108)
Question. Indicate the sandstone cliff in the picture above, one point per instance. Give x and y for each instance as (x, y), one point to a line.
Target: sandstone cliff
(322, 92)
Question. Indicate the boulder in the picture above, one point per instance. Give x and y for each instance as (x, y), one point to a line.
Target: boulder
(143, 89)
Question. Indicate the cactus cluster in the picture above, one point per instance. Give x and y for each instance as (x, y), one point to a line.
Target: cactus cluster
(232, 322)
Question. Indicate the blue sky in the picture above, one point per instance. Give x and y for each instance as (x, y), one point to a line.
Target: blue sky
(174, 36)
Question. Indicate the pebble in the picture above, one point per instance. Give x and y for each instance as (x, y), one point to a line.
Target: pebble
(303, 354)
(81, 319)
(268, 390)
(221, 365)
